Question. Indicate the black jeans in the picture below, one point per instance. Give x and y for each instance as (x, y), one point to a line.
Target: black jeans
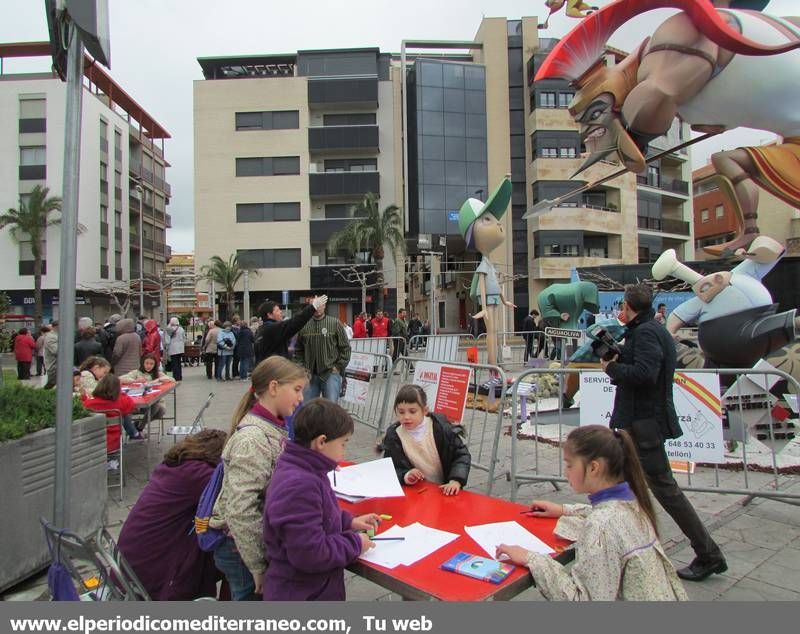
(23, 370)
(211, 364)
(176, 361)
(39, 366)
(669, 495)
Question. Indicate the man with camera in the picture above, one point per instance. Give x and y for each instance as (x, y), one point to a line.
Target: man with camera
(643, 370)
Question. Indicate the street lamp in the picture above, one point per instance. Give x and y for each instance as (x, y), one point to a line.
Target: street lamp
(139, 189)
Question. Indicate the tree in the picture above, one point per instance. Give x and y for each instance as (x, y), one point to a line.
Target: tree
(354, 275)
(226, 274)
(373, 231)
(30, 222)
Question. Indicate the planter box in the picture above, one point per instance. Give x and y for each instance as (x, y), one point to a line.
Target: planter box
(27, 480)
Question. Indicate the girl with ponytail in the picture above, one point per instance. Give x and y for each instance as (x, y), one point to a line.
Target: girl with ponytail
(256, 439)
(617, 552)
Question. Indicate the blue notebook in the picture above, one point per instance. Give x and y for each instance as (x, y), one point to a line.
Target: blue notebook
(478, 567)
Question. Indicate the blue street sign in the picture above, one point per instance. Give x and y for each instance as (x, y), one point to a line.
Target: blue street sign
(452, 216)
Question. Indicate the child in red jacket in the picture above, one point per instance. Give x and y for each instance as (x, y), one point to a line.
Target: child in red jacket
(107, 396)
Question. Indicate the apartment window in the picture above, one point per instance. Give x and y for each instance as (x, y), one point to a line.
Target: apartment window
(268, 120)
(566, 152)
(351, 165)
(267, 212)
(360, 118)
(35, 155)
(32, 108)
(564, 99)
(704, 215)
(548, 152)
(269, 258)
(547, 100)
(268, 166)
(720, 211)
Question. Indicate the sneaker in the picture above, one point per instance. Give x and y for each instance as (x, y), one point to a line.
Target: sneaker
(136, 438)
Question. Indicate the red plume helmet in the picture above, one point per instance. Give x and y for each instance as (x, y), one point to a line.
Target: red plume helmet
(578, 51)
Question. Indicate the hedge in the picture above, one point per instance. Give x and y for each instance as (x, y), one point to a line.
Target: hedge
(25, 410)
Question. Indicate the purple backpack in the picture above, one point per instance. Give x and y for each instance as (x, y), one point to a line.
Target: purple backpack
(209, 539)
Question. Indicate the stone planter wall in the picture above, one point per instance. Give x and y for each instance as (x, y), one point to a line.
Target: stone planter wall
(27, 480)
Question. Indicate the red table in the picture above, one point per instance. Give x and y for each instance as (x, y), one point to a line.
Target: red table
(425, 580)
(156, 394)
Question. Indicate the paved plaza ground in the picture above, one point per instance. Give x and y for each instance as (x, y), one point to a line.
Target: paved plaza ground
(761, 540)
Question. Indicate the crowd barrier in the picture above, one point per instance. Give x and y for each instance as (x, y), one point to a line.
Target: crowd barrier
(367, 403)
(735, 407)
(377, 345)
(482, 426)
(448, 347)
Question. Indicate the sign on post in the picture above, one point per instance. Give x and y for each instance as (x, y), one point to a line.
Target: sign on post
(358, 374)
(445, 386)
(563, 333)
(697, 404)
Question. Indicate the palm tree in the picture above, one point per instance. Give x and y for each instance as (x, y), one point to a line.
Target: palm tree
(372, 230)
(227, 275)
(30, 222)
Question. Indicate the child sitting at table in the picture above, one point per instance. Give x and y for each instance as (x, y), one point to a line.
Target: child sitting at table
(91, 371)
(309, 539)
(424, 446)
(617, 552)
(148, 373)
(107, 396)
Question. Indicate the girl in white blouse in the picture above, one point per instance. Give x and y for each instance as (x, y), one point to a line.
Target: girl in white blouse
(617, 552)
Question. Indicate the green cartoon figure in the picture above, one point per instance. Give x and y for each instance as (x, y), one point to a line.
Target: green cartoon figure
(479, 223)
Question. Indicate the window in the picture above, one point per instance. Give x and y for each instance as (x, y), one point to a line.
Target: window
(366, 118)
(32, 108)
(566, 152)
(704, 215)
(564, 98)
(548, 152)
(268, 120)
(268, 166)
(269, 258)
(32, 155)
(267, 212)
(547, 100)
(720, 211)
(351, 165)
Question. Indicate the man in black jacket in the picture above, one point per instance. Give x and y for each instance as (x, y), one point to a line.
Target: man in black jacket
(272, 336)
(643, 373)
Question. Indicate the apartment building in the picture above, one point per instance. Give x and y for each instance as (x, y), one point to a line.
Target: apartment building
(285, 146)
(180, 283)
(715, 221)
(123, 193)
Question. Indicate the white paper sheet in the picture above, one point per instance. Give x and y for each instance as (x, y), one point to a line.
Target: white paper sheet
(420, 541)
(490, 536)
(791, 401)
(374, 479)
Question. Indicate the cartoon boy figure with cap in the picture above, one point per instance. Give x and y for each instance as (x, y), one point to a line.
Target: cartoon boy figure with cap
(479, 223)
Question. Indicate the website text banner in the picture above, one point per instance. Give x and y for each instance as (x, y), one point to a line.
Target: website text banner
(363, 617)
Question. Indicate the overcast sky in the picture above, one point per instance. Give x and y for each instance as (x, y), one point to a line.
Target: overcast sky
(155, 45)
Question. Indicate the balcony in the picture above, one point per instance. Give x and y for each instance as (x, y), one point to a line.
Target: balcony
(672, 185)
(168, 221)
(664, 225)
(581, 217)
(346, 92)
(134, 241)
(147, 243)
(167, 251)
(322, 230)
(343, 138)
(343, 184)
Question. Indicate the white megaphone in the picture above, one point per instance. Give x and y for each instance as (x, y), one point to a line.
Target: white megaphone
(667, 265)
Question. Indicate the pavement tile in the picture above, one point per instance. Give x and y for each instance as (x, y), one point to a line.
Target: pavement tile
(759, 531)
(782, 570)
(754, 590)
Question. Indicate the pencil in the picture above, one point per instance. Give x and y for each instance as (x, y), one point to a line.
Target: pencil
(334, 477)
(388, 539)
(421, 491)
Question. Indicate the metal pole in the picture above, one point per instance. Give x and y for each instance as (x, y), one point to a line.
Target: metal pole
(246, 307)
(68, 269)
(213, 301)
(141, 254)
(434, 314)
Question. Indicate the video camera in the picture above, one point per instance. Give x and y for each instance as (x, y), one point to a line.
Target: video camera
(604, 345)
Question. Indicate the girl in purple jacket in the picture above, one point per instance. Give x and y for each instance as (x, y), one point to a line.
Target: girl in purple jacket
(309, 539)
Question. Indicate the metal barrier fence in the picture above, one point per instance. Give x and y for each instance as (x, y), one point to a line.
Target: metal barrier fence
(451, 347)
(367, 403)
(514, 350)
(377, 345)
(737, 430)
(483, 416)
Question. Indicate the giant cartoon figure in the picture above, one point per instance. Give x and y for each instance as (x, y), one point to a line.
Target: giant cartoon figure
(561, 306)
(479, 223)
(719, 65)
(575, 9)
(737, 321)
